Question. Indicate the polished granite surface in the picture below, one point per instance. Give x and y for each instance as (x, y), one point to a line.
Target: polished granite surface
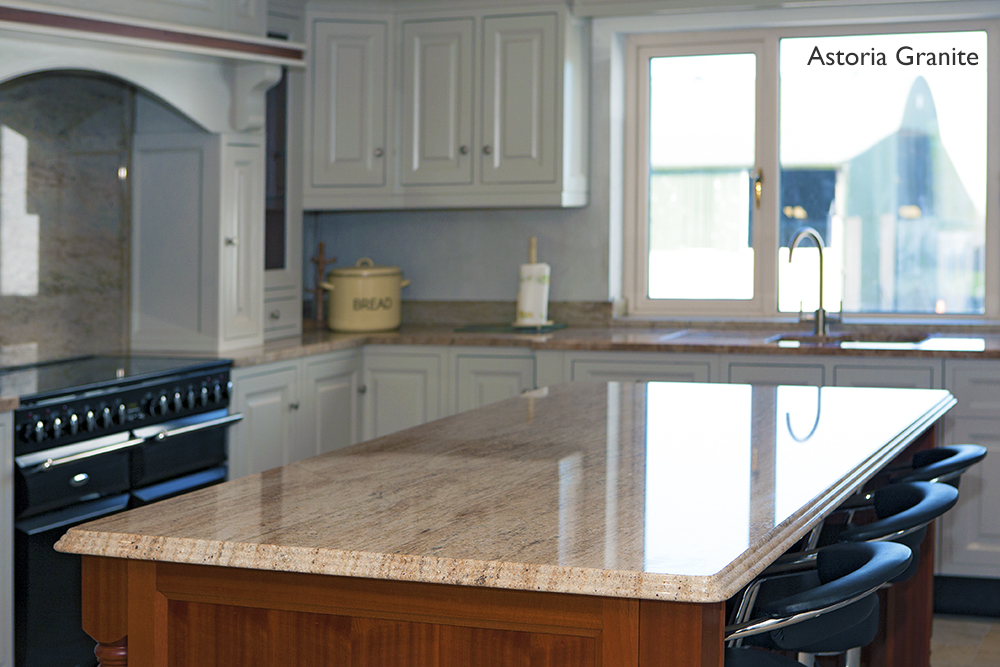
(659, 491)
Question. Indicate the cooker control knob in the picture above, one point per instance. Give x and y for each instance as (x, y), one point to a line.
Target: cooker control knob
(161, 404)
(38, 431)
(120, 413)
(104, 420)
(217, 392)
(57, 428)
(203, 396)
(91, 423)
(74, 424)
(175, 402)
(189, 398)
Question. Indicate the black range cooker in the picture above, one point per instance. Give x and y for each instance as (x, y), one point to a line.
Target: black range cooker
(93, 436)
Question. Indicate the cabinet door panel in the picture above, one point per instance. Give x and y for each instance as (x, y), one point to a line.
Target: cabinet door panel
(265, 436)
(401, 391)
(437, 102)
(970, 538)
(242, 226)
(485, 380)
(348, 134)
(519, 98)
(977, 388)
(331, 405)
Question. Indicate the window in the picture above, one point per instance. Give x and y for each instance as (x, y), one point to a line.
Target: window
(874, 138)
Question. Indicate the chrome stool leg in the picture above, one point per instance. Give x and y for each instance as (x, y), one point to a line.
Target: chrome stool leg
(854, 658)
(807, 659)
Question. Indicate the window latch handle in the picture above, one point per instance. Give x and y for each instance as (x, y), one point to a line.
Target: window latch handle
(758, 186)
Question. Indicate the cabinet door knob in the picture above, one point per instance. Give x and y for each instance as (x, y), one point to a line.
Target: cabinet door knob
(379, 152)
(362, 389)
(487, 150)
(293, 406)
(232, 240)
(464, 150)
(275, 314)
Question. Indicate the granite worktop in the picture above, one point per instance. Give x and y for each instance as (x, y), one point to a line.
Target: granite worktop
(316, 340)
(625, 490)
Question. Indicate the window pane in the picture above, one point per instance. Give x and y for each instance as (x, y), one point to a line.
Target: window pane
(888, 162)
(701, 152)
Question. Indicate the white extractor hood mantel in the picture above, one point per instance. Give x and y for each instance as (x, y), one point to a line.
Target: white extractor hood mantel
(217, 79)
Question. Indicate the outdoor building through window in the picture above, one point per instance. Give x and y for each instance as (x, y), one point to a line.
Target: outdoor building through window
(876, 139)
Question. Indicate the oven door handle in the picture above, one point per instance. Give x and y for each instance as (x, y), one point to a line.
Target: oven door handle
(201, 426)
(63, 460)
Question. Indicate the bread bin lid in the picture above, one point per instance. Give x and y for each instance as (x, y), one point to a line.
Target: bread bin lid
(365, 268)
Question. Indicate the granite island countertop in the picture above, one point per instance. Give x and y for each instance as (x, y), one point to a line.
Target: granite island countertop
(624, 490)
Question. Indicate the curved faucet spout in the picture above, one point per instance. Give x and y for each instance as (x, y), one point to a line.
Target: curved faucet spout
(809, 232)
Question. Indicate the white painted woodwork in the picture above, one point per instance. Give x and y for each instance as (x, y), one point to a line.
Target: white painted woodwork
(511, 81)
(7, 539)
(585, 370)
(889, 373)
(976, 386)
(242, 244)
(268, 398)
(346, 112)
(197, 242)
(970, 535)
(241, 16)
(436, 123)
(282, 316)
(481, 380)
(331, 403)
(760, 372)
(519, 99)
(403, 388)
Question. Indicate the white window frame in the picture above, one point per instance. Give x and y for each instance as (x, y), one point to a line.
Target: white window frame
(764, 42)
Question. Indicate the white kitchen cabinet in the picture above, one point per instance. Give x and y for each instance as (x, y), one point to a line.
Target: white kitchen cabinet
(7, 539)
(519, 90)
(970, 532)
(436, 124)
(331, 403)
(488, 375)
(197, 240)
(346, 110)
(268, 398)
(490, 109)
(403, 386)
(294, 409)
(283, 198)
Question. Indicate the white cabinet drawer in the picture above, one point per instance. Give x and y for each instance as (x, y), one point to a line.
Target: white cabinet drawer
(976, 386)
(282, 317)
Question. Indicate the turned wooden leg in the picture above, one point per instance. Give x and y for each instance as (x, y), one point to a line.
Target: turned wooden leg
(112, 654)
(105, 608)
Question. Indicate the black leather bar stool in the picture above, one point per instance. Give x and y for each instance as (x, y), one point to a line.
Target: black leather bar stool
(941, 464)
(828, 604)
(903, 512)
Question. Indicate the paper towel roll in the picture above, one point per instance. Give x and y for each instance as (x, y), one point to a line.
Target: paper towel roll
(533, 295)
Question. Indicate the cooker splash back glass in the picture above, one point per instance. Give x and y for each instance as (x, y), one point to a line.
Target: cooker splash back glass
(65, 141)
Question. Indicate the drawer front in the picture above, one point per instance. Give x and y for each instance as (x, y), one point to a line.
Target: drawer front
(976, 386)
(282, 316)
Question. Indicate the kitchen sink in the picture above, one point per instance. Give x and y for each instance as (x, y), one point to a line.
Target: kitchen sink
(835, 339)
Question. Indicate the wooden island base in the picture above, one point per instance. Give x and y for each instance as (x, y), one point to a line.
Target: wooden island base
(177, 615)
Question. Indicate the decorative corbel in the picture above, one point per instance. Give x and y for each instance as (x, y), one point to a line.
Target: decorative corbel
(249, 95)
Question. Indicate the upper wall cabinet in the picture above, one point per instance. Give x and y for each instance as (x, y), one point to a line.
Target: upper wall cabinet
(488, 109)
